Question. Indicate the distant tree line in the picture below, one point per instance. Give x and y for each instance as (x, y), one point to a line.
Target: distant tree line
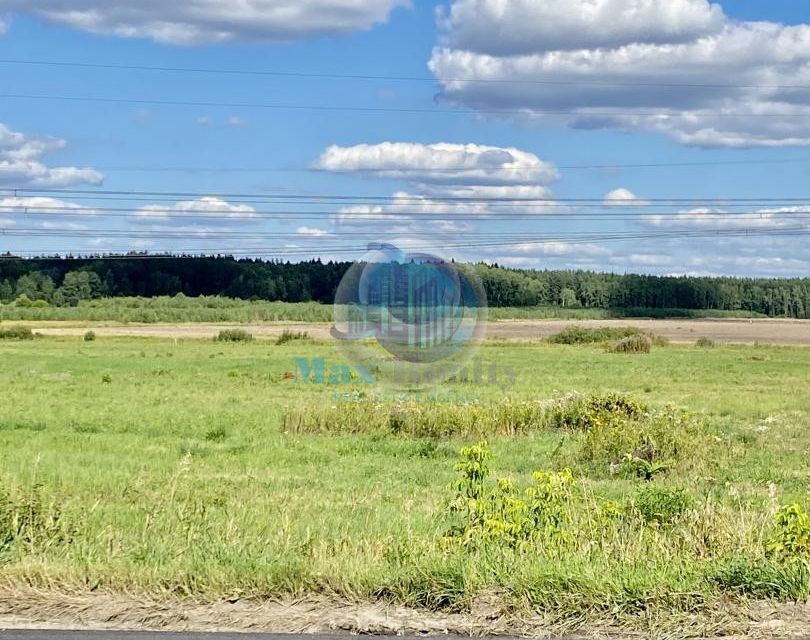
(68, 281)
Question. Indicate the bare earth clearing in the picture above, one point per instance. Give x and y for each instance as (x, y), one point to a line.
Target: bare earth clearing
(742, 331)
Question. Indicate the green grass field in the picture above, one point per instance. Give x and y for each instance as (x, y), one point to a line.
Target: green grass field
(162, 467)
(182, 308)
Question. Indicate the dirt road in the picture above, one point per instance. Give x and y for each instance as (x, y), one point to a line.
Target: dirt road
(777, 332)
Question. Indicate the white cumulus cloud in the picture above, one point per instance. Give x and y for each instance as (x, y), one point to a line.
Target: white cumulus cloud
(21, 162)
(715, 218)
(29, 205)
(40, 212)
(205, 205)
(403, 207)
(193, 22)
(209, 210)
(440, 163)
(457, 180)
(678, 67)
(311, 232)
(567, 24)
(622, 197)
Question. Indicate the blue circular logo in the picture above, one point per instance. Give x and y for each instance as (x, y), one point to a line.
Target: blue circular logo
(414, 318)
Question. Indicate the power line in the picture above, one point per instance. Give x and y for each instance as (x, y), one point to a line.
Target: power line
(451, 170)
(400, 110)
(512, 240)
(544, 207)
(154, 212)
(390, 77)
(156, 216)
(523, 243)
(242, 198)
(276, 252)
(203, 234)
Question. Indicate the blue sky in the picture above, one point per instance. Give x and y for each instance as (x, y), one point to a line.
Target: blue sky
(677, 43)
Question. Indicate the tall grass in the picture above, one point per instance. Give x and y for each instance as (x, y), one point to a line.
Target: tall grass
(569, 313)
(434, 420)
(181, 308)
(441, 420)
(623, 339)
(657, 559)
(632, 344)
(177, 308)
(16, 333)
(588, 335)
(291, 336)
(233, 335)
(178, 479)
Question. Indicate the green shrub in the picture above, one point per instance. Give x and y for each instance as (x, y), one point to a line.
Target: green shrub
(581, 413)
(791, 539)
(704, 343)
(234, 335)
(662, 506)
(632, 344)
(642, 445)
(16, 333)
(23, 302)
(89, 336)
(500, 513)
(587, 335)
(427, 448)
(289, 336)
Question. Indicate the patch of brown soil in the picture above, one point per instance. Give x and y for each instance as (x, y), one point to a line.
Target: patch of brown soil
(35, 609)
(42, 609)
(776, 332)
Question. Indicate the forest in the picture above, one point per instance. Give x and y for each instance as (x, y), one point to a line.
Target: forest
(68, 281)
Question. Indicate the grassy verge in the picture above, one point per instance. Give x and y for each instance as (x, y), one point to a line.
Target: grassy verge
(181, 308)
(167, 467)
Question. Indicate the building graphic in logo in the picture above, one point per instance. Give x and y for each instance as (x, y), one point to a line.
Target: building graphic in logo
(411, 316)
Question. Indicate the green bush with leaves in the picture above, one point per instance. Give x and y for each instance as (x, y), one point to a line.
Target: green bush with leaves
(791, 540)
(604, 335)
(291, 336)
(582, 413)
(234, 335)
(642, 445)
(500, 513)
(16, 333)
(662, 506)
(89, 336)
(704, 343)
(587, 335)
(632, 344)
(784, 573)
(24, 302)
